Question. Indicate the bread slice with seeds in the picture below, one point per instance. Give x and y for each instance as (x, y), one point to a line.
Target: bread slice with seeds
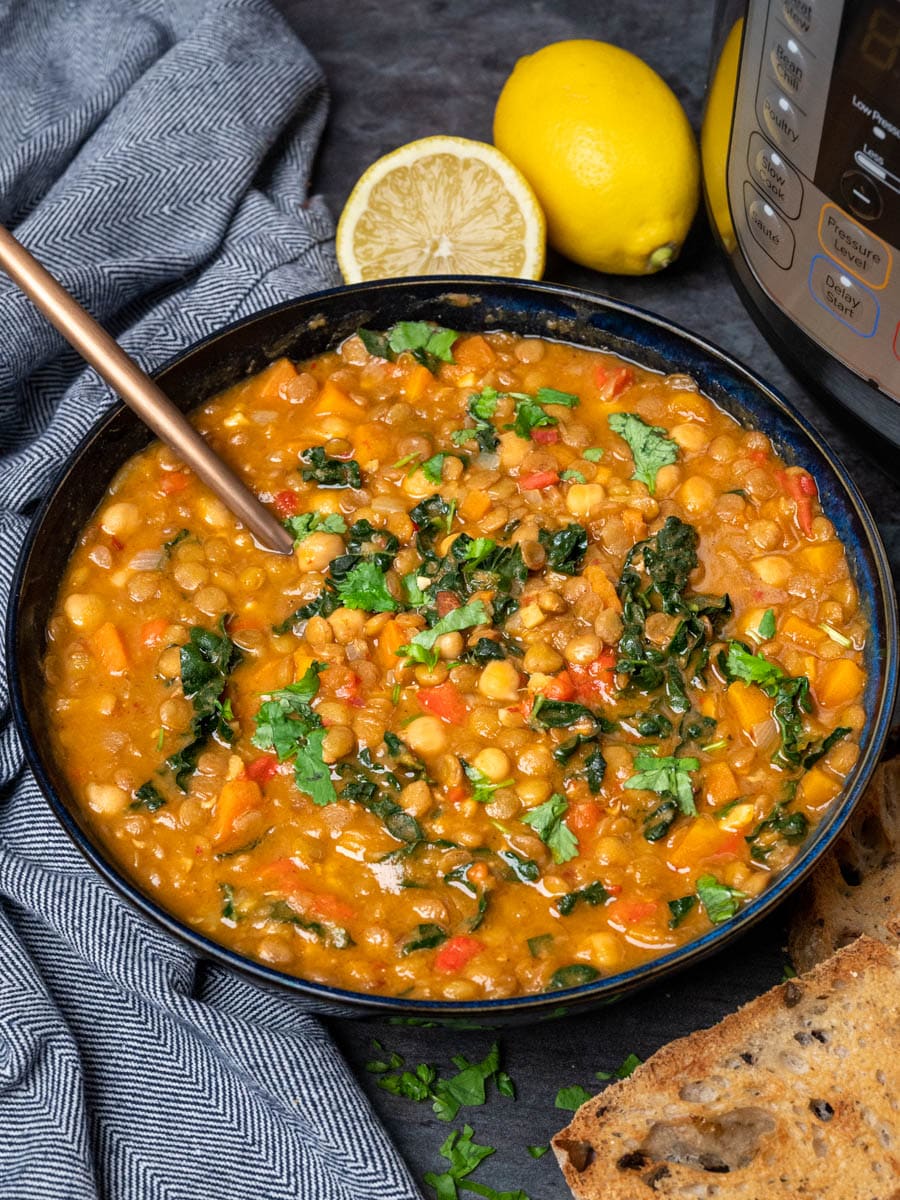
(797, 1094)
(856, 887)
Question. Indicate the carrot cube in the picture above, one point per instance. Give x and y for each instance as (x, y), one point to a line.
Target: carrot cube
(332, 401)
(748, 705)
(109, 648)
(268, 384)
(801, 631)
(475, 505)
(817, 789)
(474, 352)
(840, 683)
(719, 784)
(602, 586)
(237, 797)
(822, 557)
(417, 382)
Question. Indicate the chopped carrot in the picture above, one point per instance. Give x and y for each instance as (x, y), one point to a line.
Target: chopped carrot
(457, 953)
(719, 784)
(332, 401)
(702, 838)
(840, 682)
(748, 704)
(109, 648)
(475, 505)
(801, 631)
(153, 632)
(284, 877)
(474, 352)
(393, 635)
(444, 701)
(174, 481)
(822, 557)
(267, 386)
(417, 382)
(371, 443)
(602, 586)
(631, 911)
(237, 797)
(817, 789)
(613, 383)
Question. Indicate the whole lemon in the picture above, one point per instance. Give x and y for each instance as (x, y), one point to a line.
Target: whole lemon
(608, 150)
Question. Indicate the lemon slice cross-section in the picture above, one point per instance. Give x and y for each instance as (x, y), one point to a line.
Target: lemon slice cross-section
(441, 206)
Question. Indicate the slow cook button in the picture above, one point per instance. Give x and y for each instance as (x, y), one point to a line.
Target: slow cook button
(789, 64)
(781, 119)
(774, 176)
(768, 229)
(859, 251)
(852, 304)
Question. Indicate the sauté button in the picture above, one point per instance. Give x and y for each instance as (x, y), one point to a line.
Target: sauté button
(774, 176)
(838, 293)
(781, 119)
(853, 247)
(768, 228)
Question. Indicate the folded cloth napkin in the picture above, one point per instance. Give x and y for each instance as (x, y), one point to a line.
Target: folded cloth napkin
(154, 154)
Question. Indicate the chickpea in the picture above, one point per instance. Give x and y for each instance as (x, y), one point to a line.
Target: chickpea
(499, 681)
(105, 798)
(690, 436)
(416, 798)
(536, 759)
(697, 495)
(503, 806)
(118, 520)
(541, 657)
(426, 736)
(585, 500)
(316, 552)
(175, 713)
(550, 601)
(339, 741)
(493, 763)
(318, 634)
(604, 950)
(611, 852)
(334, 712)
(773, 570)
(582, 649)
(449, 645)
(667, 479)
(533, 792)
(190, 575)
(347, 624)
(765, 534)
(431, 676)
(85, 610)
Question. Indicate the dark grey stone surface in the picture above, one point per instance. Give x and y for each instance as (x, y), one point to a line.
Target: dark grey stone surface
(402, 71)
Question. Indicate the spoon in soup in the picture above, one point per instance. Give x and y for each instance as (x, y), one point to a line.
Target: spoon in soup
(139, 392)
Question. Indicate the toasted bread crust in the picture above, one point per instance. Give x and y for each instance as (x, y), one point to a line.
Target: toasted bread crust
(797, 1094)
(856, 887)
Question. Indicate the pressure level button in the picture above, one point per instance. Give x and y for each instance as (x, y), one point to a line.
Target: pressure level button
(865, 255)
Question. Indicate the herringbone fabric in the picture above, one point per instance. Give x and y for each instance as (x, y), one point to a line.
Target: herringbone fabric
(155, 155)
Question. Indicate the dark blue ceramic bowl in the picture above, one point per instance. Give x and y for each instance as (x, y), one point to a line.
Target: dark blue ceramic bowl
(306, 327)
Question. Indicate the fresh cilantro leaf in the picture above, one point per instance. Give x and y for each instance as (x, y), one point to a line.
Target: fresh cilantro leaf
(546, 395)
(426, 342)
(766, 628)
(529, 415)
(743, 665)
(365, 587)
(330, 472)
(594, 894)
(464, 1155)
(375, 343)
(147, 797)
(483, 404)
(478, 549)
(593, 454)
(467, 1088)
(288, 725)
(679, 909)
(229, 913)
(650, 446)
(547, 822)
(307, 523)
(565, 549)
(537, 1151)
(627, 1067)
(433, 468)
(573, 476)
(667, 776)
(571, 1098)
(464, 617)
(573, 975)
(540, 944)
(484, 788)
(415, 596)
(720, 901)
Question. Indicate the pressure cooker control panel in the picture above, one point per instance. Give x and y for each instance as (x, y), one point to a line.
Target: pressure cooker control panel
(814, 173)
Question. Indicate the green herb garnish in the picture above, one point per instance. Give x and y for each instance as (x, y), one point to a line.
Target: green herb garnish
(330, 472)
(594, 894)
(720, 901)
(286, 724)
(650, 446)
(305, 524)
(571, 1098)
(547, 822)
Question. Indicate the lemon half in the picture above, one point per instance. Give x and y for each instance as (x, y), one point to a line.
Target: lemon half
(441, 206)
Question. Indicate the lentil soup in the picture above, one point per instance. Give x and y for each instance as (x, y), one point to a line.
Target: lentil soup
(566, 664)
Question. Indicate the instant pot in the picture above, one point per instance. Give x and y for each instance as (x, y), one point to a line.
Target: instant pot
(801, 166)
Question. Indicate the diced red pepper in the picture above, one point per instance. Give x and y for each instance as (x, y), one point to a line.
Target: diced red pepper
(758, 456)
(537, 480)
(583, 817)
(613, 383)
(349, 689)
(457, 953)
(153, 632)
(287, 503)
(444, 701)
(560, 687)
(261, 769)
(801, 487)
(285, 877)
(173, 481)
(545, 435)
(445, 602)
(456, 794)
(595, 680)
(629, 912)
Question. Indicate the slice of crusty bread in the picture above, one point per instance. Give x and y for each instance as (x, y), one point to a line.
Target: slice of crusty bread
(797, 1094)
(856, 887)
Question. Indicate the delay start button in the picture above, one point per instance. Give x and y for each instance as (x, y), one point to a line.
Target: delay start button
(774, 176)
(768, 228)
(853, 247)
(848, 301)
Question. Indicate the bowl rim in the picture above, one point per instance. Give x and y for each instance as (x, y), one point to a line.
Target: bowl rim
(604, 989)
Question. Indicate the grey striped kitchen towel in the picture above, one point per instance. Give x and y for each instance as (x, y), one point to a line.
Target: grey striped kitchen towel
(155, 154)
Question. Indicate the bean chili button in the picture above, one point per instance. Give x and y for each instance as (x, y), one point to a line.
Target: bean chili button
(860, 252)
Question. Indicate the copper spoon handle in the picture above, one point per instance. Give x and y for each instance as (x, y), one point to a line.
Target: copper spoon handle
(138, 391)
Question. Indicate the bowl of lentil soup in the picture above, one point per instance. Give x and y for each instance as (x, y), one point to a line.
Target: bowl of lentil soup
(585, 652)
